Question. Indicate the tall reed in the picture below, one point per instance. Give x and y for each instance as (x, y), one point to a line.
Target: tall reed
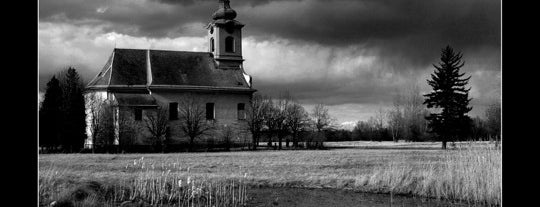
(153, 184)
(470, 175)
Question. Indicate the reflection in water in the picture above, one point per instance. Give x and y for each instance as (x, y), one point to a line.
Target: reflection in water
(260, 197)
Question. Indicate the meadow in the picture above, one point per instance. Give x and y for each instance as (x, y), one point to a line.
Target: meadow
(467, 173)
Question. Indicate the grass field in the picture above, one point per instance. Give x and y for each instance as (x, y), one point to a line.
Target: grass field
(469, 173)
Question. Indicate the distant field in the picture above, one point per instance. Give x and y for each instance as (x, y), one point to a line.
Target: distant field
(402, 168)
(407, 145)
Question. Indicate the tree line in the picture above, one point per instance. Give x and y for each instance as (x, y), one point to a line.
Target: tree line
(440, 115)
(283, 119)
(62, 113)
(396, 124)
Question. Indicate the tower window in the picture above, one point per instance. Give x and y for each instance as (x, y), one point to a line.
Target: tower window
(229, 44)
(210, 115)
(211, 44)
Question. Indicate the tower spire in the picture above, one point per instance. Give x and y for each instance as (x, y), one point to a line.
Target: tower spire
(224, 11)
(225, 37)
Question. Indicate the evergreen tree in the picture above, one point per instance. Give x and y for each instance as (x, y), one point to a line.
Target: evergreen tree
(50, 116)
(74, 125)
(450, 95)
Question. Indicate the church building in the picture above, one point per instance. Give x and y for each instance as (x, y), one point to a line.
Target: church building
(137, 81)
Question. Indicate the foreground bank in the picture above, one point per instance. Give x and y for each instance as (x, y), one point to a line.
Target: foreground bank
(471, 173)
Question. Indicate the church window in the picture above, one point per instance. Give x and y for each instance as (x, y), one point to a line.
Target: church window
(210, 114)
(229, 44)
(241, 111)
(138, 114)
(173, 111)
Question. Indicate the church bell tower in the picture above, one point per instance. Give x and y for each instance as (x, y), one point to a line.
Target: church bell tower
(225, 37)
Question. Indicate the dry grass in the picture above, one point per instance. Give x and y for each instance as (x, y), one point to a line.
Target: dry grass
(471, 175)
(147, 186)
(466, 175)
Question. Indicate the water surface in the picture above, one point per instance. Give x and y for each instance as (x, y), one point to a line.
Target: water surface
(263, 197)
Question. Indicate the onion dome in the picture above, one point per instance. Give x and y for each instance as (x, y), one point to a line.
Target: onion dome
(224, 11)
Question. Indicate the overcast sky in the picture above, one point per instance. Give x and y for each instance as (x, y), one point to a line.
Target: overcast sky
(353, 55)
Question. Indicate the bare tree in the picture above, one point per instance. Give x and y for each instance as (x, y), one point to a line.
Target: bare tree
(259, 108)
(479, 129)
(380, 118)
(297, 120)
(378, 122)
(406, 119)
(93, 109)
(396, 119)
(281, 104)
(193, 120)
(126, 129)
(101, 125)
(321, 120)
(270, 120)
(414, 113)
(227, 133)
(157, 124)
(493, 120)
(276, 118)
(321, 117)
(395, 122)
(363, 130)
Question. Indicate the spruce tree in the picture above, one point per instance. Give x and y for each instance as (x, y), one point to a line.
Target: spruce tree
(450, 96)
(50, 116)
(74, 126)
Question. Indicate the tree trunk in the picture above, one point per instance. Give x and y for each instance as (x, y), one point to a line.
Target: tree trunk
(191, 144)
(93, 144)
(295, 141)
(279, 144)
(254, 144)
(255, 140)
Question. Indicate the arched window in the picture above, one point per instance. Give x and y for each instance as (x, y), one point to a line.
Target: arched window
(229, 44)
(211, 44)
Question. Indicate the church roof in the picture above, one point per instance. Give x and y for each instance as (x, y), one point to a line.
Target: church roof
(129, 99)
(161, 69)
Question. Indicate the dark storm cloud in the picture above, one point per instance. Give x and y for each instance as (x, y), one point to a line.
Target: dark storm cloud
(315, 61)
(152, 18)
(135, 18)
(408, 34)
(414, 29)
(233, 2)
(459, 22)
(328, 93)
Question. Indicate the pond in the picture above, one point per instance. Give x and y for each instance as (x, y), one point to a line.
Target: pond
(263, 197)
